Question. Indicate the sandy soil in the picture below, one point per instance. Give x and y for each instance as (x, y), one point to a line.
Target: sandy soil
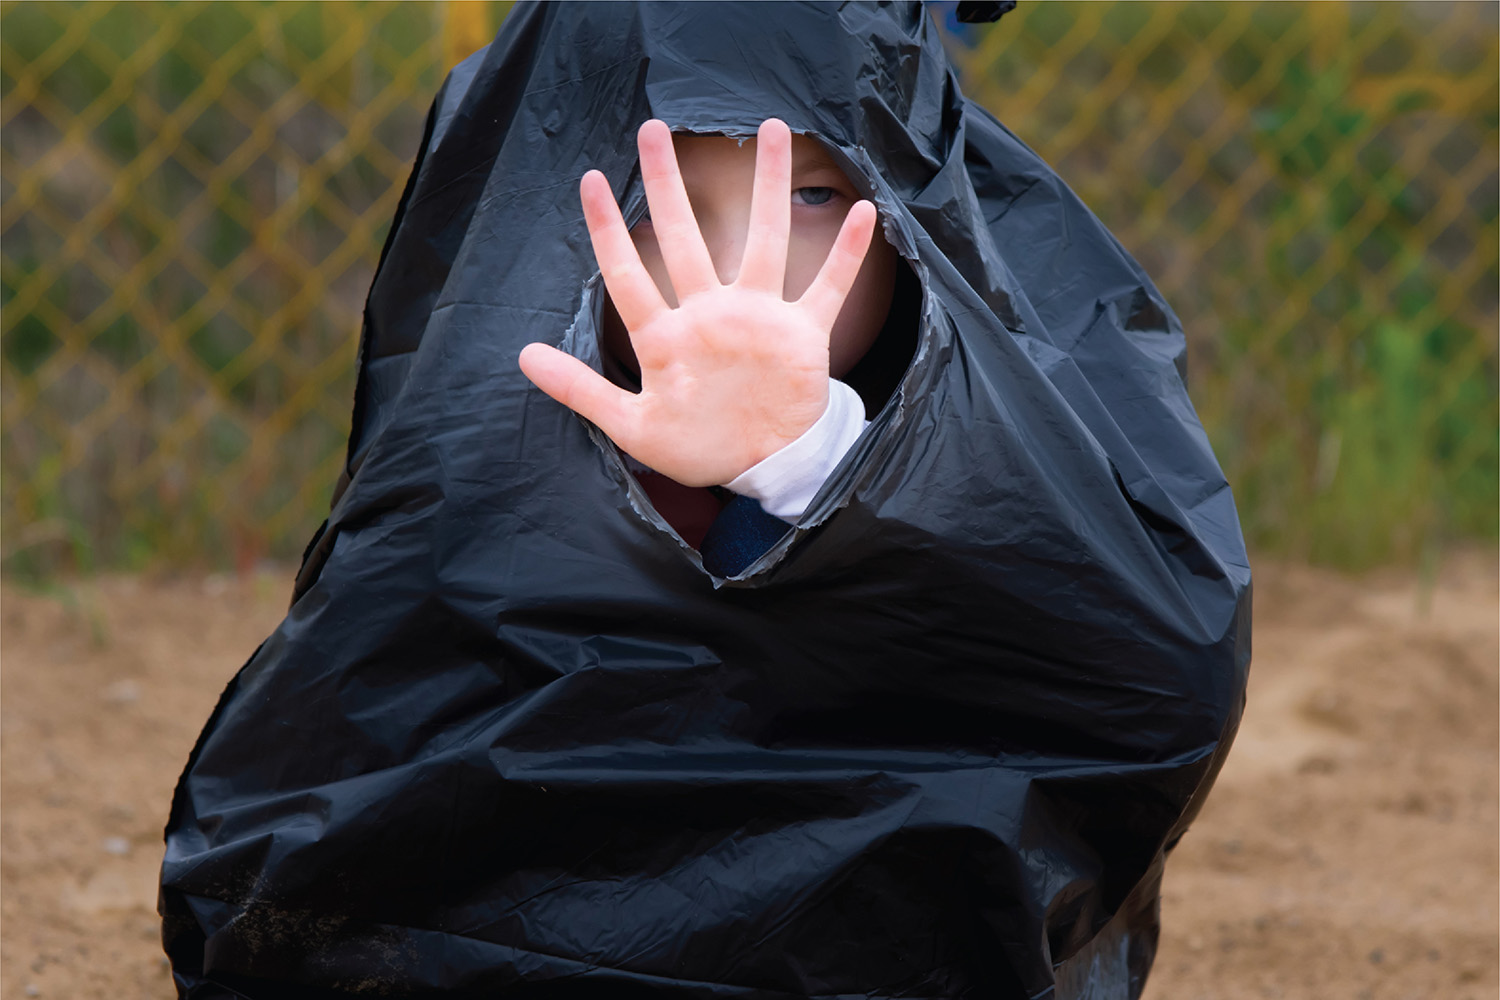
(1348, 851)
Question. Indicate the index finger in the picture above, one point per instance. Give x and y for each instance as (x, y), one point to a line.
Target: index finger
(634, 294)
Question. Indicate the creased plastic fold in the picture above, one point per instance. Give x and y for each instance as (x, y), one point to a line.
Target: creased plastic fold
(513, 740)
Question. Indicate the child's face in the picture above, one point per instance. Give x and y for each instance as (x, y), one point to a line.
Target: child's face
(718, 173)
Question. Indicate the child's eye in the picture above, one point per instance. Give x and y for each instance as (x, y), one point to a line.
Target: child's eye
(813, 195)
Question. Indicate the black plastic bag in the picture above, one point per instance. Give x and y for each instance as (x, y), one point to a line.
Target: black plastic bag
(512, 739)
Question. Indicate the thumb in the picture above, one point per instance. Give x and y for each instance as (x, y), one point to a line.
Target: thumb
(581, 389)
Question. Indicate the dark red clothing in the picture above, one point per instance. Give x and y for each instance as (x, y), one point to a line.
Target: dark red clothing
(688, 509)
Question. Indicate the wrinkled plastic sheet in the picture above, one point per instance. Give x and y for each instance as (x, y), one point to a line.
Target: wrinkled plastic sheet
(513, 739)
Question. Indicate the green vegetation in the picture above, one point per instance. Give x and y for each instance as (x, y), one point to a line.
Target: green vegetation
(195, 196)
(1314, 190)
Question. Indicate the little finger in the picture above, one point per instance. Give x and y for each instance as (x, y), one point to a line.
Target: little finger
(825, 296)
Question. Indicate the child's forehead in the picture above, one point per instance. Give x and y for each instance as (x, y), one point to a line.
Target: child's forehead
(807, 152)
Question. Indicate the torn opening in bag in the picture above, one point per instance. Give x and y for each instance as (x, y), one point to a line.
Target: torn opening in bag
(936, 741)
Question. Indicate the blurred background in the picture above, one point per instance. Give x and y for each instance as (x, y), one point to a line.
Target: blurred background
(195, 198)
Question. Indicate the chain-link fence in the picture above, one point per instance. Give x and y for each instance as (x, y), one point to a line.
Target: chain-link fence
(194, 198)
(1314, 188)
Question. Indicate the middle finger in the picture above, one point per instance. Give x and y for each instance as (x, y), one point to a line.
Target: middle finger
(677, 234)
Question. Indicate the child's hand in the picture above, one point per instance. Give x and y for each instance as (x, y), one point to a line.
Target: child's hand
(734, 372)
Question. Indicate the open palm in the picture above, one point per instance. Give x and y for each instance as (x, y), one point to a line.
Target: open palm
(734, 372)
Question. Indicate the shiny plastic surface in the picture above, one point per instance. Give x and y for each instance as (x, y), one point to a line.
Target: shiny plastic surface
(513, 740)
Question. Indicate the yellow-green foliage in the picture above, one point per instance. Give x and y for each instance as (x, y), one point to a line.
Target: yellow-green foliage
(1314, 188)
(195, 195)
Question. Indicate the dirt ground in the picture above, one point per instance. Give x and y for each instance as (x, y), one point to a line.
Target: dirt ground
(1349, 849)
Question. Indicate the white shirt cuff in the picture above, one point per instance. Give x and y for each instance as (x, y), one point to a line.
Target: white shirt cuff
(786, 481)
